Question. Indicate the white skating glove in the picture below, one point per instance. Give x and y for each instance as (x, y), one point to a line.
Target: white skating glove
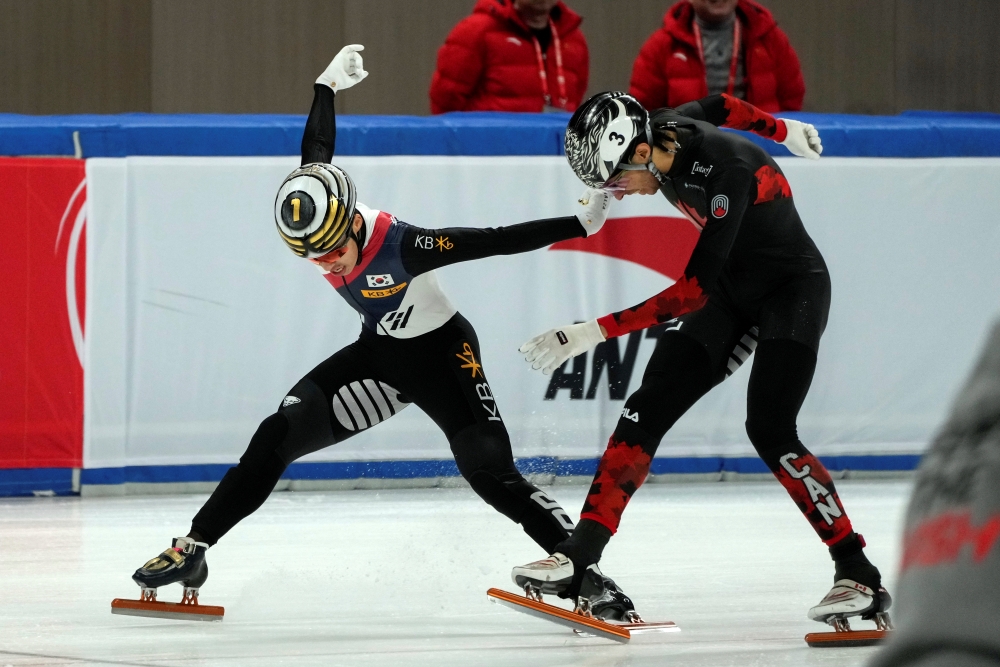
(592, 209)
(551, 350)
(345, 70)
(803, 139)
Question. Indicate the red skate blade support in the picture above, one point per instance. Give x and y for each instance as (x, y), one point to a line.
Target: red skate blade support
(569, 619)
(849, 638)
(172, 610)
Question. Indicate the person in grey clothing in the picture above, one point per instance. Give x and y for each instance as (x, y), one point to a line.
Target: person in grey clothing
(949, 586)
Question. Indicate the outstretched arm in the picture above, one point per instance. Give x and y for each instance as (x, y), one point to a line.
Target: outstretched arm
(729, 191)
(320, 136)
(428, 249)
(727, 111)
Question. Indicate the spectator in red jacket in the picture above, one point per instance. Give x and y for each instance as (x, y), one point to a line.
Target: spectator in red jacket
(692, 56)
(512, 55)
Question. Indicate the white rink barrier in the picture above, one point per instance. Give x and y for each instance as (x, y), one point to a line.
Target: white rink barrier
(199, 319)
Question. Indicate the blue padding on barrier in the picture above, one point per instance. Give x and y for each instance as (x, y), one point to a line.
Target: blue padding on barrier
(911, 134)
(29, 481)
(446, 468)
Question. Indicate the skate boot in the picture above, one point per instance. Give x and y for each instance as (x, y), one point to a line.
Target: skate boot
(601, 608)
(845, 600)
(556, 575)
(614, 605)
(184, 563)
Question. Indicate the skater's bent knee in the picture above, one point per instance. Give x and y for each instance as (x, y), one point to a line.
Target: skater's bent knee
(265, 442)
(483, 448)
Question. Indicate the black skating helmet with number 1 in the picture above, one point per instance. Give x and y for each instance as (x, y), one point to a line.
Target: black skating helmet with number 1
(602, 135)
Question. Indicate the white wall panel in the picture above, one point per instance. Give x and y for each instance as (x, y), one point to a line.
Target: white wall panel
(200, 320)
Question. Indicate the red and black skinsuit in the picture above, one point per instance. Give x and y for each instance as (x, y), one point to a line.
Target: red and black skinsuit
(754, 275)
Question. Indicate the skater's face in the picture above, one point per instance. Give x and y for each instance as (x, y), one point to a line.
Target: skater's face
(714, 11)
(642, 181)
(342, 261)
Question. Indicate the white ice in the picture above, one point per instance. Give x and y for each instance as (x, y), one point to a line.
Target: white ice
(399, 578)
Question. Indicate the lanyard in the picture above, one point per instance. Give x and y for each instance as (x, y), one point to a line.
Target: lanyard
(736, 52)
(560, 78)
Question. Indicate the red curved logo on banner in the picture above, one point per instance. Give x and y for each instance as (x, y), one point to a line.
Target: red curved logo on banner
(657, 242)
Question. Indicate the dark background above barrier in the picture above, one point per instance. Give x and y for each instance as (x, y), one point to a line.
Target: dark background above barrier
(912, 134)
(261, 56)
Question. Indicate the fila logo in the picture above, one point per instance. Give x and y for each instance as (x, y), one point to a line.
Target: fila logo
(425, 242)
(631, 416)
(562, 338)
(828, 509)
(381, 280)
(720, 206)
(697, 168)
(290, 400)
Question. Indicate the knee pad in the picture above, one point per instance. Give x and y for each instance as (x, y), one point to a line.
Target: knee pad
(308, 418)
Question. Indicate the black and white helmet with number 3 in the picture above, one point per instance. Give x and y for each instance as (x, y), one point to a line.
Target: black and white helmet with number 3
(314, 209)
(602, 135)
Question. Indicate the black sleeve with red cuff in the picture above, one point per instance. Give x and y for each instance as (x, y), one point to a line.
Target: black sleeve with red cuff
(728, 111)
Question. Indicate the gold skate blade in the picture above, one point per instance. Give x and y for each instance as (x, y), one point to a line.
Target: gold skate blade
(846, 638)
(569, 619)
(174, 611)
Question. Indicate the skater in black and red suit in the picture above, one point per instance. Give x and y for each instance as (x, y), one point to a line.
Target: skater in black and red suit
(755, 280)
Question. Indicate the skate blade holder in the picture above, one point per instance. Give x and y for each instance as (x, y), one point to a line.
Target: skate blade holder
(187, 609)
(575, 620)
(843, 636)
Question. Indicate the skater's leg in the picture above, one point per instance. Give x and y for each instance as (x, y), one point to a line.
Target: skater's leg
(680, 372)
(779, 382)
(334, 401)
(452, 388)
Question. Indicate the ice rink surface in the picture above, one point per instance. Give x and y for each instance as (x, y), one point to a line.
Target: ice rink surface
(399, 578)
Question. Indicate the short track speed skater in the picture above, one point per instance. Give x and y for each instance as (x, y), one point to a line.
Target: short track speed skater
(184, 562)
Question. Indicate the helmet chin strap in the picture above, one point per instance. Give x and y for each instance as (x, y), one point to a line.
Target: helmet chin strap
(358, 238)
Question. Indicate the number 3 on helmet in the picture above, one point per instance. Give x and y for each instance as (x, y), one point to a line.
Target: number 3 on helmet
(314, 209)
(602, 135)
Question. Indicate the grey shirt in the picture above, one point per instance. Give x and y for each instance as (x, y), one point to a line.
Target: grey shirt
(717, 42)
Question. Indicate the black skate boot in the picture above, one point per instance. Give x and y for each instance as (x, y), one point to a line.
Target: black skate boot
(183, 562)
(614, 605)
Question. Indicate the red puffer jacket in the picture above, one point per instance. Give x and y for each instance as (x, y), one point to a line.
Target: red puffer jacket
(669, 70)
(489, 62)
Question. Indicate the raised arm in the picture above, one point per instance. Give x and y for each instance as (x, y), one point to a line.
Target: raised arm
(727, 111)
(428, 249)
(320, 136)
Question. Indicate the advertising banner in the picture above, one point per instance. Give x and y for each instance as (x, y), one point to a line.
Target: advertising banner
(201, 319)
(42, 299)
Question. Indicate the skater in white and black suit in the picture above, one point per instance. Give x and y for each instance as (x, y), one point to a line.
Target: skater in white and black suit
(414, 347)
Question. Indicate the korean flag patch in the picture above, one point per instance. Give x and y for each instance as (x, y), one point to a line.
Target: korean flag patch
(382, 280)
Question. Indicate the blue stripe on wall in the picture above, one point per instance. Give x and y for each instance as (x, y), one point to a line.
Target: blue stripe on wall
(23, 482)
(28, 481)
